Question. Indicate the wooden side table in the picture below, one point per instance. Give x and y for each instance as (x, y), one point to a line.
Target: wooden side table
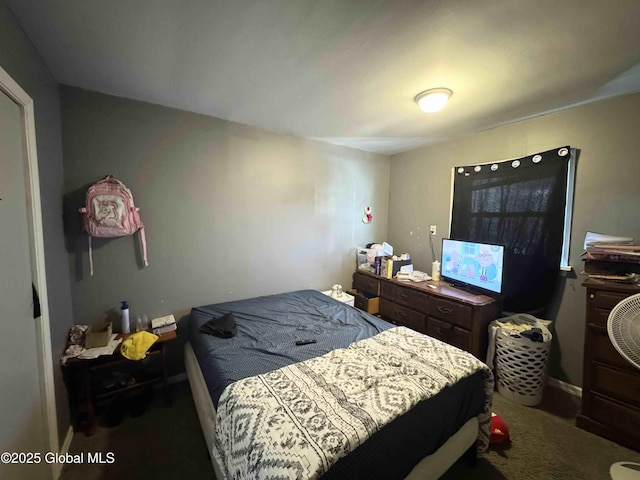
(344, 298)
(91, 382)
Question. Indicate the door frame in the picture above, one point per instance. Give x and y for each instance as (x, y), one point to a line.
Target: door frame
(38, 271)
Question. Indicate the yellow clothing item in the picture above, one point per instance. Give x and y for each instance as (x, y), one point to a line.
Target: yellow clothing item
(135, 347)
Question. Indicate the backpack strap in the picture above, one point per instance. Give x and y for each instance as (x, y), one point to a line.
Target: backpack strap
(113, 180)
(83, 210)
(90, 257)
(143, 241)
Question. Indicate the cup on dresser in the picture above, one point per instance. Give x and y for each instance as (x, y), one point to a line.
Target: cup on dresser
(141, 324)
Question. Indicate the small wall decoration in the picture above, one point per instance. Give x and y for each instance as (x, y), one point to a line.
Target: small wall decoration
(368, 216)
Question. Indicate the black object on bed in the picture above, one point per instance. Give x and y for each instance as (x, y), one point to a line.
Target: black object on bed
(267, 331)
(223, 327)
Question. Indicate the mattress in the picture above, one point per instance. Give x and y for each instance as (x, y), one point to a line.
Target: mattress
(268, 328)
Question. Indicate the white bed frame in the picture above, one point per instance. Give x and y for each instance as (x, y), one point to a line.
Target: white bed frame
(430, 467)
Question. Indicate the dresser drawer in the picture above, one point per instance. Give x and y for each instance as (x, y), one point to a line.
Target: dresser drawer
(624, 386)
(604, 351)
(600, 304)
(615, 415)
(598, 316)
(606, 300)
(404, 296)
(449, 333)
(399, 315)
(366, 303)
(365, 283)
(451, 312)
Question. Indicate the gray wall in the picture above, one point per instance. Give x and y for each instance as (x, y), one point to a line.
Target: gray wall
(22, 62)
(230, 211)
(606, 199)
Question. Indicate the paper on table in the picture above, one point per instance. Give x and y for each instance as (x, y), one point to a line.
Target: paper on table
(106, 350)
(592, 238)
(406, 268)
(414, 276)
(162, 321)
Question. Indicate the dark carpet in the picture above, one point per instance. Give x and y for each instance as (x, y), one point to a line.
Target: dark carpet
(546, 444)
(166, 443)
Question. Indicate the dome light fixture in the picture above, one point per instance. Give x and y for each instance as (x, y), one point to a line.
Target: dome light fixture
(433, 100)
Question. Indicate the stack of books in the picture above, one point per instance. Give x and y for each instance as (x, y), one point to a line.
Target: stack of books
(614, 253)
(607, 255)
(163, 325)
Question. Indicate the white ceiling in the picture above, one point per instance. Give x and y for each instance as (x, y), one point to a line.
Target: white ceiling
(344, 71)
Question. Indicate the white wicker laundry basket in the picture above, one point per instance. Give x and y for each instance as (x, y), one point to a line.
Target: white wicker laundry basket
(520, 366)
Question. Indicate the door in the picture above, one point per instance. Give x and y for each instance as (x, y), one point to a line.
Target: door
(22, 423)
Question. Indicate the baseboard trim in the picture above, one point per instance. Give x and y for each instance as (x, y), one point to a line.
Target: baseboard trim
(565, 387)
(64, 449)
(67, 441)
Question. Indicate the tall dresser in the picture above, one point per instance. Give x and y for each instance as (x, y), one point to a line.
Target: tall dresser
(454, 316)
(610, 385)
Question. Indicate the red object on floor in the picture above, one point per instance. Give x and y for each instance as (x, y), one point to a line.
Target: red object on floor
(499, 430)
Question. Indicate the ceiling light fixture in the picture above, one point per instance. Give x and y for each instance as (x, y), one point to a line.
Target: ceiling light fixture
(433, 100)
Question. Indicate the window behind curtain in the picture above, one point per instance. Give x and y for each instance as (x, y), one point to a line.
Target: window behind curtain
(519, 204)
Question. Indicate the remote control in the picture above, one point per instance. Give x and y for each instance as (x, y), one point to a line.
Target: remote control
(305, 342)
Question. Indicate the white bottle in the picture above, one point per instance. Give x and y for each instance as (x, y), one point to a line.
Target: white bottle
(124, 311)
(435, 271)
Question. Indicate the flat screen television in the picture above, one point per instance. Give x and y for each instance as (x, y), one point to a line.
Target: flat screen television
(472, 264)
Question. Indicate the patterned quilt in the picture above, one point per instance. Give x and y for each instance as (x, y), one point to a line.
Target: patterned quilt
(297, 421)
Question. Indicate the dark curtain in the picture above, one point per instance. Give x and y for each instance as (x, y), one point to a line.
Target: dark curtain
(519, 204)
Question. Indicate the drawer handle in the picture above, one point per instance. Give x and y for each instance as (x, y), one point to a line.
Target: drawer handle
(402, 295)
(402, 314)
(445, 310)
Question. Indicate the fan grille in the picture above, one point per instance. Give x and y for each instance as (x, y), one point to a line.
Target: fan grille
(623, 326)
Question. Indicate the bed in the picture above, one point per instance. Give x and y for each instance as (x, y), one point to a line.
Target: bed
(366, 400)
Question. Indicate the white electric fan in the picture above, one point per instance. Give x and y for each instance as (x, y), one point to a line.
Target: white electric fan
(623, 327)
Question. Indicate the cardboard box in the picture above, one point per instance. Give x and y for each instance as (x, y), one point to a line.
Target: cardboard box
(366, 302)
(98, 335)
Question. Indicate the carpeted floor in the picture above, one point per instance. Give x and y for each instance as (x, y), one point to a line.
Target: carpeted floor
(546, 444)
(166, 443)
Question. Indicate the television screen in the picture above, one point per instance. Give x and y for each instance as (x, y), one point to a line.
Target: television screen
(472, 264)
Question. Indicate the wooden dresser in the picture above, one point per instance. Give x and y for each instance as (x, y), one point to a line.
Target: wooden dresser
(446, 313)
(610, 385)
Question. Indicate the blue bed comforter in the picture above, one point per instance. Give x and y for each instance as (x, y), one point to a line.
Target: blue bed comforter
(268, 328)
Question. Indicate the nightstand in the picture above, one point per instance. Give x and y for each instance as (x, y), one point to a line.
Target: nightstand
(344, 298)
(95, 384)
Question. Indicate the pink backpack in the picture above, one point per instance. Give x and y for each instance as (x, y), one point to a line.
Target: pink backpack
(110, 212)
